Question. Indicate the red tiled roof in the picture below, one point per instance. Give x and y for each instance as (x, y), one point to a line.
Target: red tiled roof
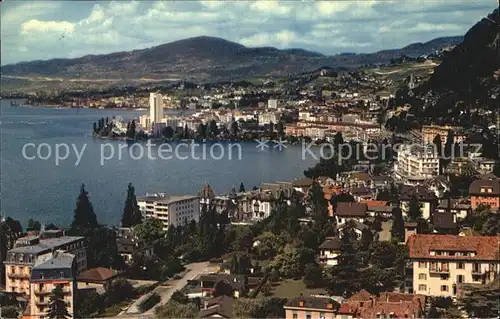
(345, 309)
(485, 247)
(374, 202)
(99, 274)
(399, 305)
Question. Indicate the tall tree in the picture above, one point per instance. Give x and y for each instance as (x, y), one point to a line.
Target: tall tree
(58, 309)
(84, 217)
(398, 224)
(213, 128)
(281, 129)
(242, 188)
(439, 144)
(33, 225)
(344, 278)
(234, 128)
(131, 213)
(414, 211)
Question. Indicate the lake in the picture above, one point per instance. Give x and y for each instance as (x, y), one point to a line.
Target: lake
(47, 191)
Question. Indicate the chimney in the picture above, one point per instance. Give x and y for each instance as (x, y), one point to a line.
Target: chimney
(301, 303)
(329, 306)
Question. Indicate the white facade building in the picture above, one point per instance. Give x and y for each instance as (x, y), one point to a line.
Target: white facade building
(170, 210)
(416, 162)
(155, 108)
(272, 104)
(269, 117)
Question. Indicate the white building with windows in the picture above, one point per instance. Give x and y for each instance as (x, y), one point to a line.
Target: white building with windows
(170, 210)
(155, 108)
(416, 163)
(272, 104)
(269, 117)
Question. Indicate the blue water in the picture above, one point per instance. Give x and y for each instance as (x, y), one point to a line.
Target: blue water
(43, 190)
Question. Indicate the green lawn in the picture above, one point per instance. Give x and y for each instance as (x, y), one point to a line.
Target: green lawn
(290, 288)
(114, 310)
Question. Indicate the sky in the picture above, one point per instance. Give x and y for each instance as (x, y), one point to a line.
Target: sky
(41, 30)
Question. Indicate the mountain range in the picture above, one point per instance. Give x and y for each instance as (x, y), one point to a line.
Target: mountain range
(209, 59)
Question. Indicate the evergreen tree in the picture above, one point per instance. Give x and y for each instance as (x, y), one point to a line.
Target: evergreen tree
(33, 225)
(344, 279)
(131, 213)
(398, 224)
(234, 128)
(213, 128)
(84, 216)
(438, 143)
(58, 307)
(202, 131)
(281, 129)
(242, 188)
(414, 211)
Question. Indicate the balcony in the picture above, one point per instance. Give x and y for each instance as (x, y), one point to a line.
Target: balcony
(18, 276)
(476, 272)
(42, 303)
(439, 270)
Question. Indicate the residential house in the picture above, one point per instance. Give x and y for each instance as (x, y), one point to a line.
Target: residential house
(329, 251)
(219, 307)
(350, 211)
(358, 228)
(441, 262)
(361, 193)
(444, 223)
(386, 305)
(379, 208)
(423, 195)
(310, 308)
(485, 192)
(240, 284)
(458, 207)
(96, 278)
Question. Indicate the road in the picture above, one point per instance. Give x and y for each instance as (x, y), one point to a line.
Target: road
(194, 270)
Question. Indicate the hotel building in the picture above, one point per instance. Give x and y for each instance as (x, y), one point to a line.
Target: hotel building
(416, 162)
(51, 270)
(170, 210)
(21, 259)
(438, 263)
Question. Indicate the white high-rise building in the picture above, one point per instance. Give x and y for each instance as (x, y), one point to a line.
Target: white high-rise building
(416, 162)
(155, 108)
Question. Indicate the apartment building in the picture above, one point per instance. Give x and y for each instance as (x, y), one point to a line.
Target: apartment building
(485, 192)
(51, 270)
(170, 210)
(438, 263)
(416, 162)
(21, 259)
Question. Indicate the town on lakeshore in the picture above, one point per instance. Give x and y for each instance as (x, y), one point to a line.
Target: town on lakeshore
(405, 226)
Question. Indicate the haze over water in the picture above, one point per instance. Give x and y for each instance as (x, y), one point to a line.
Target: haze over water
(40, 189)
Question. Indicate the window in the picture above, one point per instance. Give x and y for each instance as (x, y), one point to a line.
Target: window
(322, 315)
(422, 287)
(460, 265)
(422, 276)
(460, 278)
(445, 277)
(421, 264)
(294, 315)
(444, 288)
(308, 315)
